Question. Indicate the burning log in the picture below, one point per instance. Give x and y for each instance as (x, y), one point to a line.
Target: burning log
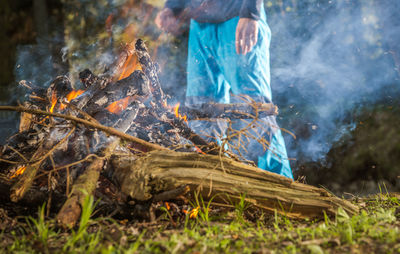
(151, 70)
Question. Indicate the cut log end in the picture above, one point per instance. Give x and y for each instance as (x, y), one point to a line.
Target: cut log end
(69, 213)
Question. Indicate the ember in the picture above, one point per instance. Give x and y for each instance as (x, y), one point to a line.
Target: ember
(192, 213)
(72, 95)
(19, 172)
(118, 106)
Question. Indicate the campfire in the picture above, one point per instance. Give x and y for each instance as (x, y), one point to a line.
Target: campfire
(120, 140)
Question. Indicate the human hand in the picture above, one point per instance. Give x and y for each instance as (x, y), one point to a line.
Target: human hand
(246, 35)
(167, 21)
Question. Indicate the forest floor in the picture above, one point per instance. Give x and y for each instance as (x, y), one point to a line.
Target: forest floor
(239, 229)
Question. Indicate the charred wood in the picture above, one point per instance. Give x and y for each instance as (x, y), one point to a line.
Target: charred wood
(151, 71)
(229, 111)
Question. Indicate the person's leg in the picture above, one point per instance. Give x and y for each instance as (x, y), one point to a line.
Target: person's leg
(249, 75)
(205, 82)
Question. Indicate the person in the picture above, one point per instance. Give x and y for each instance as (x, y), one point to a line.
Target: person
(228, 58)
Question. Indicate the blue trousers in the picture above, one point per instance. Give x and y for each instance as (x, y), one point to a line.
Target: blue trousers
(216, 73)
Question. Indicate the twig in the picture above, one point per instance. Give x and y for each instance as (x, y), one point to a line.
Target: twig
(10, 162)
(71, 164)
(83, 113)
(17, 152)
(68, 183)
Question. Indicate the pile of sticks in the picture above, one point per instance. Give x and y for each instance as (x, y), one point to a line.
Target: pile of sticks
(122, 133)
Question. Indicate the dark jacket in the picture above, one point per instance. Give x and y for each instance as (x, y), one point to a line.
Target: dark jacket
(215, 11)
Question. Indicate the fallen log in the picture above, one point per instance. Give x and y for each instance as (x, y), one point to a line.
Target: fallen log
(224, 181)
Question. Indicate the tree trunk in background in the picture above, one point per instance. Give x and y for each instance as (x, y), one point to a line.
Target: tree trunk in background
(41, 20)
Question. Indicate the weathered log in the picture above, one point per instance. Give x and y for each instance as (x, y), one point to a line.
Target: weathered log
(231, 111)
(225, 181)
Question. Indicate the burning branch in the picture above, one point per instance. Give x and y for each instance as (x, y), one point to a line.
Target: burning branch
(231, 111)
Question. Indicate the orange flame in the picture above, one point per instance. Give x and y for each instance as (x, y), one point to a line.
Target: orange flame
(176, 110)
(199, 150)
(53, 101)
(193, 213)
(131, 64)
(19, 171)
(72, 95)
(75, 93)
(118, 106)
